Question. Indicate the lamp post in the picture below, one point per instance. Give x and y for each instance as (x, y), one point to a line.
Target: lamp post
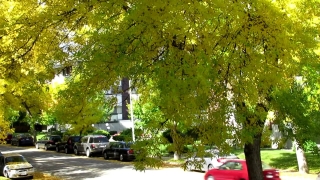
(131, 112)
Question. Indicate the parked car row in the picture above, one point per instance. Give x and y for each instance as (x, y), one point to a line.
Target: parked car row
(96, 145)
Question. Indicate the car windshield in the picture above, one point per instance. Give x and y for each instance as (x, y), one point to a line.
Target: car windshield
(25, 135)
(76, 139)
(15, 159)
(100, 140)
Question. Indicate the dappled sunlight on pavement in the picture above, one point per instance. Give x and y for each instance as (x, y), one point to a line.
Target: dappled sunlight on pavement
(154, 174)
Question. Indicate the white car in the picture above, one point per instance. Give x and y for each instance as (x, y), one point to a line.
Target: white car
(211, 160)
(13, 165)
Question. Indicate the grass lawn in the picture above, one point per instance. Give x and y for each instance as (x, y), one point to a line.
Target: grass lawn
(286, 160)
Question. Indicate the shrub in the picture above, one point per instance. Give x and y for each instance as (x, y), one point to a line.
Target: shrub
(112, 132)
(56, 133)
(101, 132)
(310, 146)
(119, 138)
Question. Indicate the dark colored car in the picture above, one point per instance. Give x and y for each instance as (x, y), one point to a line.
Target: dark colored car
(20, 139)
(8, 138)
(67, 144)
(48, 142)
(119, 150)
(13, 165)
(237, 169)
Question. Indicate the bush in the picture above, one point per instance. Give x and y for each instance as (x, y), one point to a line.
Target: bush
(310, 146)
(119, 138)
(56, 133)
(101, 132)
(112, 132)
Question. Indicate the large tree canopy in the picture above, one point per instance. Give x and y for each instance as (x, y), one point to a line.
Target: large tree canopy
(205, 58)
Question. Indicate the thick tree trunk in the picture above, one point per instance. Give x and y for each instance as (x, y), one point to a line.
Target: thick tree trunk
(253, 158)
(301, 158)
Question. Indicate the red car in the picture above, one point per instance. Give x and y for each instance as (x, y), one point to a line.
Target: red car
(236, 169)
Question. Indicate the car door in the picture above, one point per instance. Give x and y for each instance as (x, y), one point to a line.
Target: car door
(230, 170)
(43, 141)
(14, 138)
(119, 149)
(83, 144)
(1, 165)
(112, 149)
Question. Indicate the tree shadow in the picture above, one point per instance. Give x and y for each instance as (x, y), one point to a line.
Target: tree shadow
(288, 161)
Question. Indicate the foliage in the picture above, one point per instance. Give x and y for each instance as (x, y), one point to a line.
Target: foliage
(101, 132)
(310, 146)
(81, 107)
(297, 114)
(266, 138)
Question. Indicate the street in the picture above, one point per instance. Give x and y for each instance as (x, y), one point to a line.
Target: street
(71, 167)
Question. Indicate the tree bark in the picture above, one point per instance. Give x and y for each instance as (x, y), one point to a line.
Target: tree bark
(253, 158)
(176, 156)
(301, 158)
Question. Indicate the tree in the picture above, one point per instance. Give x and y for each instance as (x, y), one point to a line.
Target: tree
(209, 60)
(298, 114)
(81, 107)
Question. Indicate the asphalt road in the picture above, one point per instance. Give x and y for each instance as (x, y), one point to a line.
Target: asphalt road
(72, 167)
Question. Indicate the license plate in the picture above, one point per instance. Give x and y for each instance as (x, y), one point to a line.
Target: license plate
(23, 173)
(27, 139)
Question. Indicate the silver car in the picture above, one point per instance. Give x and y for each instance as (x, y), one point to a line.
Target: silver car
(13, 165)
(212, 159)
(91, 144)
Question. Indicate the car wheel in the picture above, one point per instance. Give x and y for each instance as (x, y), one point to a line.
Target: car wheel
(75, 150)
(188, 166)
(11, 143)
(105, 155)
(210, 167)
(121, 157)
(31, 177)
(88, 153)
(66, 150)
(210, 178)
(57, 149)
(5, 174)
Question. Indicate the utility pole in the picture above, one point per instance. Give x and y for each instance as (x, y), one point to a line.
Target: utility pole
(131, 112)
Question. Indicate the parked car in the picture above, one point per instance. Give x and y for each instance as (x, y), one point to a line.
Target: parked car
(237, 169)
(91, 144)
(48, 142)
(119, 150)
(8, 138)
(67, 143)
(211, 159)
(13, 165)
(20, 139)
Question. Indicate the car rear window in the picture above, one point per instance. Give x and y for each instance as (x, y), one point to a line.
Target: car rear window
(76, 139)
(100, 140)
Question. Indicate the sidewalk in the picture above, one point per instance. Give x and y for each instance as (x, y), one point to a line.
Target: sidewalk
(297, 176)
